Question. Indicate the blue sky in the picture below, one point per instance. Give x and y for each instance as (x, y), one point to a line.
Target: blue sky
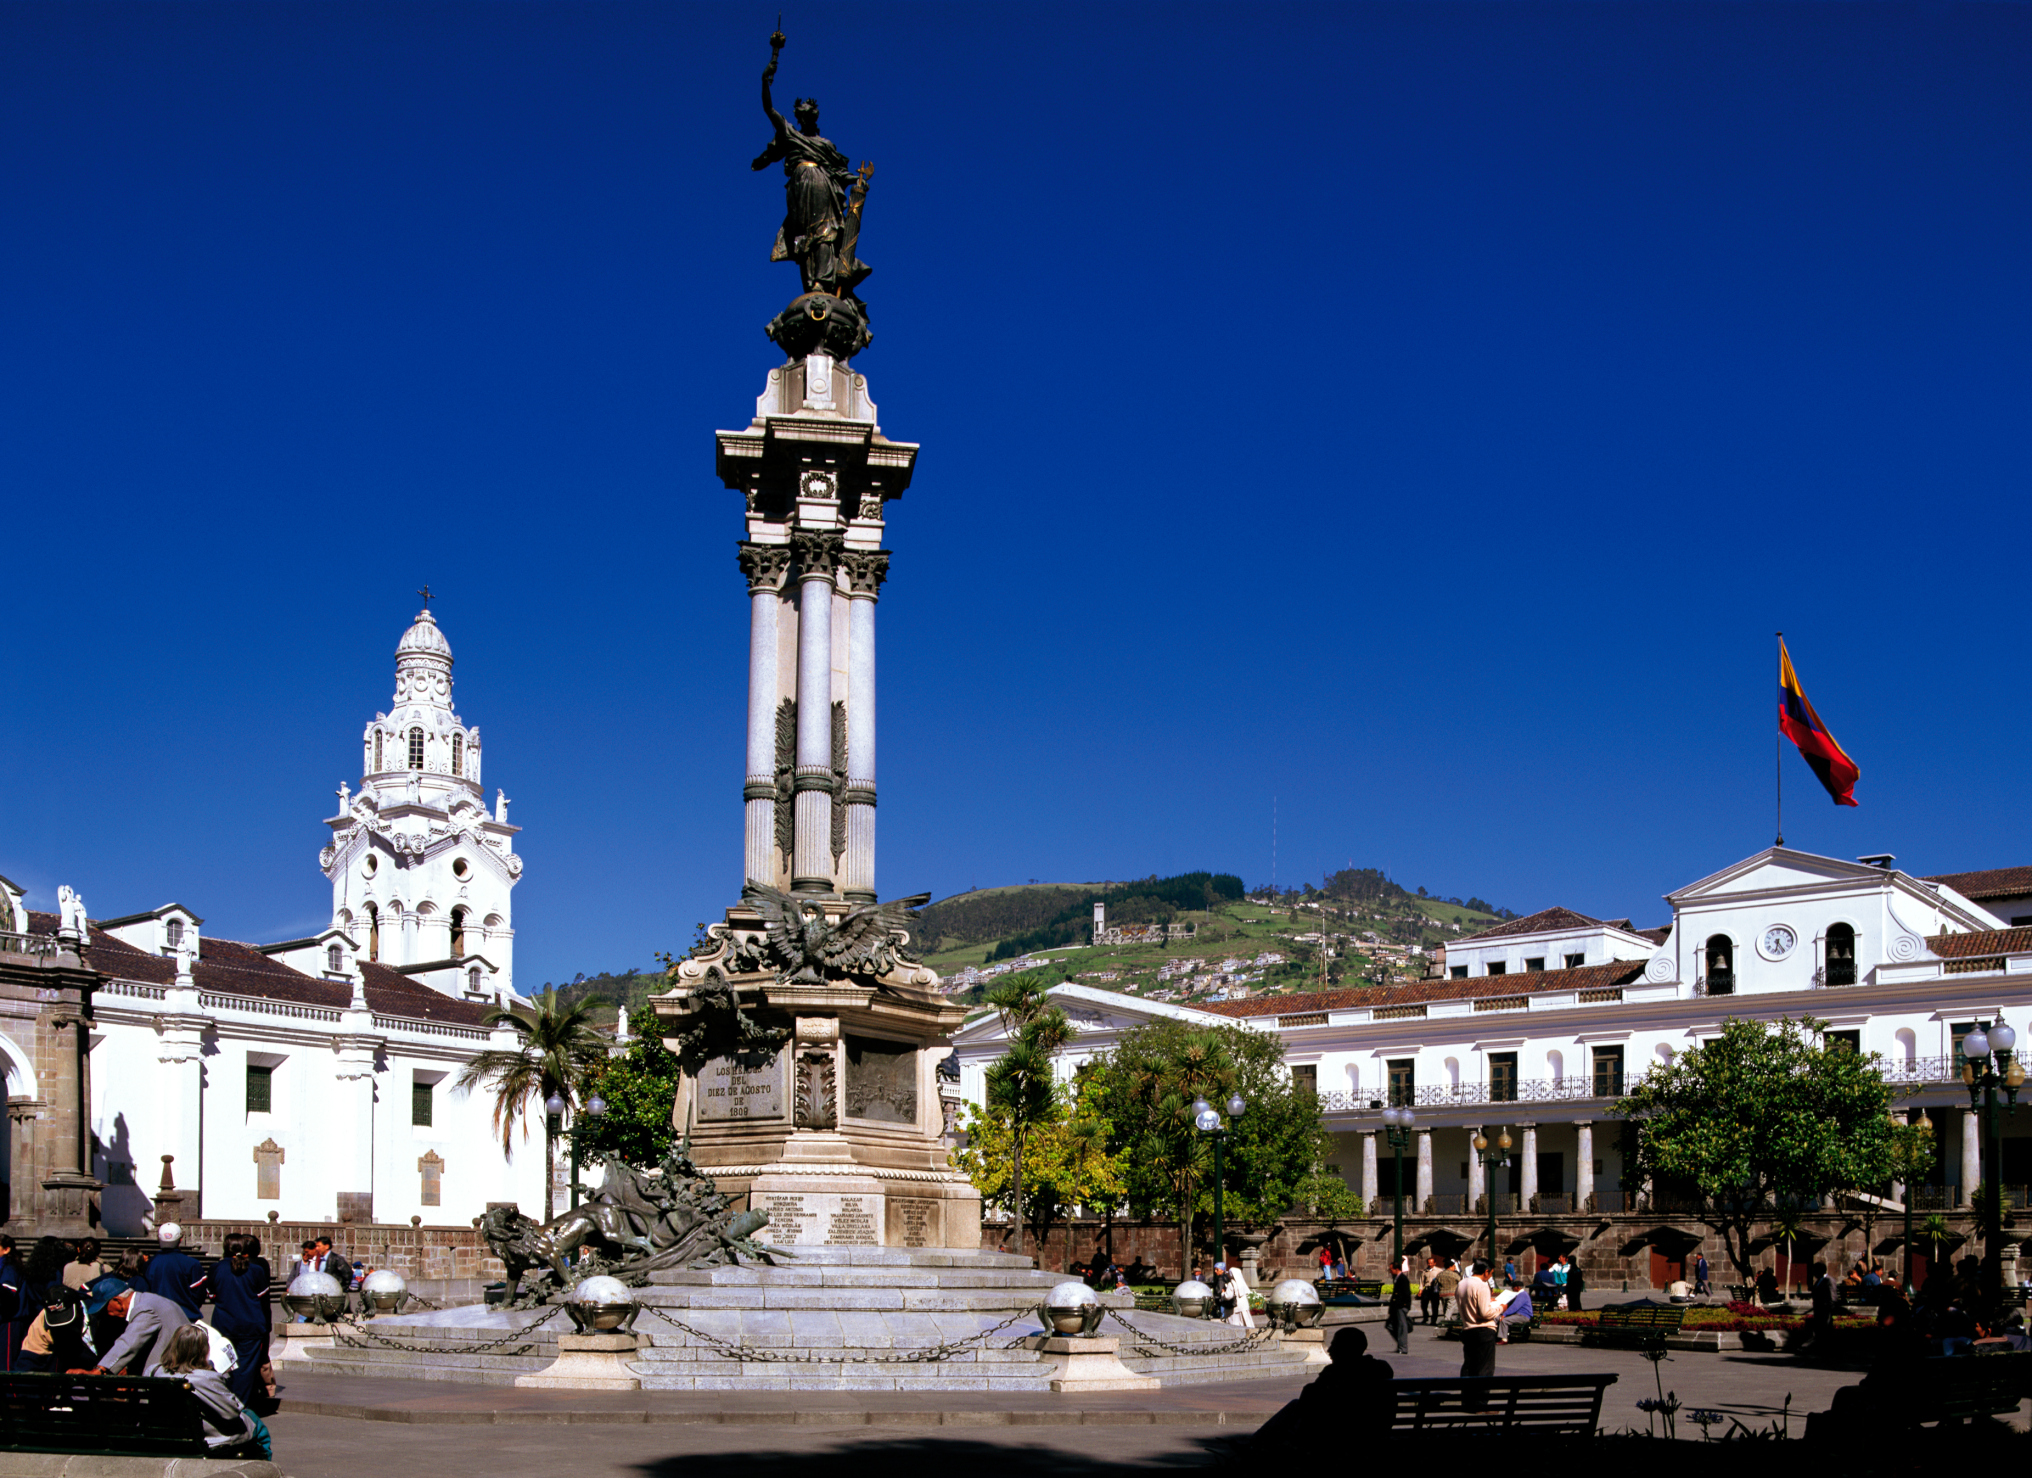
(1420, 415)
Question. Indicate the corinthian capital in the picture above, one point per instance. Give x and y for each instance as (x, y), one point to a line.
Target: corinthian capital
(765, 565)
(866, 569)
(818, 553)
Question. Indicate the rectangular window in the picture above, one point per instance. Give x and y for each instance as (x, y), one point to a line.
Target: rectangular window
(1403, 1079)
(1502, 1077)
(1457, 972)
(419, 1103)
(1574, 962)
(1851, 1040)
(1608, 1072)
(260, 1089)
(1306, 1079)
(1497, 967)
(1534, 964)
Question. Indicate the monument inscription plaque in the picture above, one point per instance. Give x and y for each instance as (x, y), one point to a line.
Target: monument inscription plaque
(881, 1080)
(728, 1090)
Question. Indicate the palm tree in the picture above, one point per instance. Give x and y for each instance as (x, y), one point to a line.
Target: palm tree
(558, 1051)
(1020, 1081)
(1935, 1230)
(1787, 1226)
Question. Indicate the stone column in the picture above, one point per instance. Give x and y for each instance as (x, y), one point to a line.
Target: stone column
(348, 1124)
(180, 1100)
(765, 565)
(1584, 1165)
(1529, 1150)
(812, 857)
(865, 570)
(1478, 1175)
(1971, 1155)
(1372, 1187)
(1424, 1192)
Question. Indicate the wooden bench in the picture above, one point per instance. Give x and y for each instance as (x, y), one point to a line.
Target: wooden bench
(1963, 1388)
(101, 1414)
(1638, 1326)
(1549, 1404)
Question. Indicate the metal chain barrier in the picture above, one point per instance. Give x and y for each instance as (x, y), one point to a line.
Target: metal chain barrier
(368, 1337)
(1254, 1339)
(754, 1355)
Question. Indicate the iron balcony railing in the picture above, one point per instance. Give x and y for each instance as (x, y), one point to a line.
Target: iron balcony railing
(1451, 1095)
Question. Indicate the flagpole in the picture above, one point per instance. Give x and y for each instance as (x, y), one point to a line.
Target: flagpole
(1778, 751)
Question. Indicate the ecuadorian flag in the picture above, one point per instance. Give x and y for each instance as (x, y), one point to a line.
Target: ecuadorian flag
(1799, 723)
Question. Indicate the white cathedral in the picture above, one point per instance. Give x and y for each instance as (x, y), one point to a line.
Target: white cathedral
(313, 1077)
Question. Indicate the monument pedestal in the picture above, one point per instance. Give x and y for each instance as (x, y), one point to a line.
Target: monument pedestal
(1313, 1342)
(837, 1131)
(588, 1362)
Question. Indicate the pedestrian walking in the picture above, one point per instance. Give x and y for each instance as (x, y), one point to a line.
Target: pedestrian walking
(1700, 1272)
(1576, 1285)
(1446, 1283)
(1476, 1305)
(239, 1284)
(1398, 1321)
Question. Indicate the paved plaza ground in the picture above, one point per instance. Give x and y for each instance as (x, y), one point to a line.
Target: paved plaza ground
(336, 1428)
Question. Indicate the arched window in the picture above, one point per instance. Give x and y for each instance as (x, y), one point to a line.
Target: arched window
(174, 933)
(458, 754)
(473, 980)
(378, 757)
(335, 958)
(458, 932)
(416, 749)
(373, 932)
(1841, 954)
(1721, 965)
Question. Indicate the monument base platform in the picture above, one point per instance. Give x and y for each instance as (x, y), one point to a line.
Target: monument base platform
(589, 1362)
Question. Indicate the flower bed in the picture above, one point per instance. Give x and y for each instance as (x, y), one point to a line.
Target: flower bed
(1732, 1318)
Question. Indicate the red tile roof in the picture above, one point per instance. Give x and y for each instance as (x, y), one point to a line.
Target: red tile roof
(1981, 942)
(229, 967)
(1996, 882)
(1533, 982)
(1544, 921)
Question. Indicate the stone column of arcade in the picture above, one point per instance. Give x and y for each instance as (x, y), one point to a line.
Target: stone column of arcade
(812, 864)
(1584, 1166)
(1424, 1169)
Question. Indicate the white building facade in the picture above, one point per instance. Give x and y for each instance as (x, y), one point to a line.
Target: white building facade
(313, 1078)
(1513, 1037)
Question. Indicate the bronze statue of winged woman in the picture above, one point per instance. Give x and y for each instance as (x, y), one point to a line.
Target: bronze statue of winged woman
(809, 949)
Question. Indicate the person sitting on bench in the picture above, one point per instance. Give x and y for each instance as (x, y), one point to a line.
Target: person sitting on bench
(229, 1426)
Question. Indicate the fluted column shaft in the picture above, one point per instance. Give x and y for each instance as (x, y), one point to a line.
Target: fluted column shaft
(1424, 1169)
(1529, 1186)
(1371, 1190)
(1971, 1156)
(1584, 1166)
(865, 571)
(812, 857)
(1478, 1179)
(765, 565)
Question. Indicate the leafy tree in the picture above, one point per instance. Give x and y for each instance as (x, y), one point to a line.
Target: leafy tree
(639, 1085)
(1145, 1089)
(1066, 1161)
(558, 1052)
(1761, 1116)
(1019, 1082)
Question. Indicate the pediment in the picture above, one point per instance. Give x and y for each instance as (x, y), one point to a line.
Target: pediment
(1775, 869)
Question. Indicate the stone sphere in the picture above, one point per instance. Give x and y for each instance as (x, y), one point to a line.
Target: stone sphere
(315, 1296)
(382, 1290)
(1072, 1294)
(602, 1290)
(1191, 1298)
(309, 1285)
(1294, 1291)
(1298, 1303)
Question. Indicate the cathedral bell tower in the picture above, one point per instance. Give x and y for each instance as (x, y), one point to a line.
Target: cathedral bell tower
(421, 869)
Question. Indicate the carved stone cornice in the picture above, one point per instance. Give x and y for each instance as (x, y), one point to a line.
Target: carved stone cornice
(818, 553)
(866, 570)
(765, 565)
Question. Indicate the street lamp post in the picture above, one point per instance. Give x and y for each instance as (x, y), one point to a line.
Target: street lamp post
(1208, 1120)
(1987, 1064)
(1924, 1126)
(553, 1125)
(1494, 1157)
(1398, 1122)
(596, 1110)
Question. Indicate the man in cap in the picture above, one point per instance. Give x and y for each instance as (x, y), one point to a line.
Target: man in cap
(175, 1275)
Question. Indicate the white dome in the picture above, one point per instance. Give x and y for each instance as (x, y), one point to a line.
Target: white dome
(1192, 1288)
(381, 1280)
(309, 1285)
(424, 638)
(603, 1290)
(1294, 1291)
(1071, 1295)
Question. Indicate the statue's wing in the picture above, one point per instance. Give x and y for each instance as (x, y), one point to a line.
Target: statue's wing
(860, 934)
(779, 918)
